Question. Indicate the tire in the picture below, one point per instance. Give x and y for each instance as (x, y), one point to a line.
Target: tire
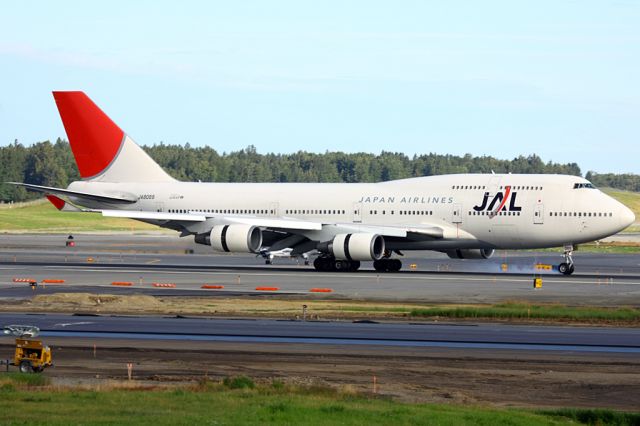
(320, 264)
(396, 265)
(26, 367)
(565, 268)
(571, 269)
(380, 265)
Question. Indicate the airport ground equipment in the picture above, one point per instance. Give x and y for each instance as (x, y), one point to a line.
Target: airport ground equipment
(31, 355)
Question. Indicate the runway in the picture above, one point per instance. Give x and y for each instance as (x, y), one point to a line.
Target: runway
(99, 260)
(465, 336)
(421, 361)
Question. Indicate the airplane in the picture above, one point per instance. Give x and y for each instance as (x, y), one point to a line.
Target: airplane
(466, 216)
(288, 253)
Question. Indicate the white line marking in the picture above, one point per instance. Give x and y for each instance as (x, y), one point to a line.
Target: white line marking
(72, 323)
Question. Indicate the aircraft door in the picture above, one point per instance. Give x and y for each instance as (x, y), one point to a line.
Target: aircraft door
(456, 214)
(159, 207)
(357, 212)
(538, 214)
(273, 209)
(492, 188)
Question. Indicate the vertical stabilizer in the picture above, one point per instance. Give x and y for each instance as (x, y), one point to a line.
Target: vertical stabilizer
(103, 152)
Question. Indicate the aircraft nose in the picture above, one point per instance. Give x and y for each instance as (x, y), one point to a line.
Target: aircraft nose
(627, 217)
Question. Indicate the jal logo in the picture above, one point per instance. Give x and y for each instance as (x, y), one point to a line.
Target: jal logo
(499, 200)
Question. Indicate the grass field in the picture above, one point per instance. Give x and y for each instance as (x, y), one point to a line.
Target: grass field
(319, 309)
(41, 216)
(620, 247)
(530, 311)
(239, 401)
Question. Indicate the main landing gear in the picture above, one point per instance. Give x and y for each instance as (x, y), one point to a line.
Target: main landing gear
(331, 264)
(387, 265)
(567, 267)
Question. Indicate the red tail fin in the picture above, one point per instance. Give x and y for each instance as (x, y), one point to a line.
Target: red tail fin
(94, 138)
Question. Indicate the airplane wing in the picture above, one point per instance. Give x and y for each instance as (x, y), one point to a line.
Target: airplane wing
(194, 216)
(286, 225)
(121, 198)
(160, 216)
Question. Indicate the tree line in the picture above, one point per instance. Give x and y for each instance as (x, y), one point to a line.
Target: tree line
(626, 181)
(52, 164)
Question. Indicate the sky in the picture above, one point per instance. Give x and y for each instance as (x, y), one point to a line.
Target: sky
(555, 78)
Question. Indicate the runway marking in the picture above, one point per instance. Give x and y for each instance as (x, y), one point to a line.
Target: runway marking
(153, 261)
(66, 324)
(366, 276)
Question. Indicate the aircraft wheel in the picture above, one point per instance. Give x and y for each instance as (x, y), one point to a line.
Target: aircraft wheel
(355, 265)
(380, 265)
(317, 264)
(565, 268)
(396, 265)
(267, 262)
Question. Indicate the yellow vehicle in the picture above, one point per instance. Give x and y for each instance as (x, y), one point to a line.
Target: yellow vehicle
(31, 356)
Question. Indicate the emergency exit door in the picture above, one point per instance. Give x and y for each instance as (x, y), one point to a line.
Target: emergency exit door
(538, 214)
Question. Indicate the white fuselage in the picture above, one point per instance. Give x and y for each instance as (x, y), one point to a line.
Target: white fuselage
(539, 210)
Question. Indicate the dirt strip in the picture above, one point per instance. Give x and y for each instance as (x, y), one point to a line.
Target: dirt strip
(494, 377)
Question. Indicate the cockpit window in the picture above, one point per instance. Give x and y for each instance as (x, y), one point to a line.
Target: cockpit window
(583, 185)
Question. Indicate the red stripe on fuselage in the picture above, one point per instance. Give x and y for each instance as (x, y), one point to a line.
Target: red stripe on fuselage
(94, 138)
(504, 200)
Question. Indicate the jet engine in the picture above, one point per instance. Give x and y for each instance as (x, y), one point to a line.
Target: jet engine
(470, 253)
(233, 238)
(360, 246)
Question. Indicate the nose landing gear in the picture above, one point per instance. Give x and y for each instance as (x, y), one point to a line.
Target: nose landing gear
(567, 266)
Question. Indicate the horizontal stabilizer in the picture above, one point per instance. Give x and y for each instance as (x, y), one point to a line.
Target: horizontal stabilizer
(122, 198)
(62, 205)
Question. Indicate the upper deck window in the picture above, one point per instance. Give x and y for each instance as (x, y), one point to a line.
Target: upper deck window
(583, 185)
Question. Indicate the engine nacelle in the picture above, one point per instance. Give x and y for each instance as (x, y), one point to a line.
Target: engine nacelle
(470, 253)
(358, 246)
(235, 238)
